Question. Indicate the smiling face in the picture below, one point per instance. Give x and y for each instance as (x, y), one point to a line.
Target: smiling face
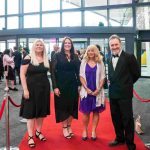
(91, 53)
(39, 47)
(67, 45)
(115, 46)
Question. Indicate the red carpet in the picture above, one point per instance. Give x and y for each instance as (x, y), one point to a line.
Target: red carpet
(56, 141)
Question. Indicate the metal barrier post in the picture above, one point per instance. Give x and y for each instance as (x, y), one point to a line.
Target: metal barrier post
(8, 147)
(7, 122)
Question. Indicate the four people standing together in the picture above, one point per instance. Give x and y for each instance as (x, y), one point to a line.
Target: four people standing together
(71, 77)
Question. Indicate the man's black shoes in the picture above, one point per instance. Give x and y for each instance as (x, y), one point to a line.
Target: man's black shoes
(116, 143)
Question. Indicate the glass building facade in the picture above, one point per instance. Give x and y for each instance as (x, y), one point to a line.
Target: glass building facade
(85, 21)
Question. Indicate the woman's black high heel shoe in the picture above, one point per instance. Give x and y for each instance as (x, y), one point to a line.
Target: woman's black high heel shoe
(66, 136)
(93, 137)
(37, 135)
(31, 145)
(84, 138)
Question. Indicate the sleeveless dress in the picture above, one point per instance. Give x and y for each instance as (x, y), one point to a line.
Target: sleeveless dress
(38, 104)
(88, 104)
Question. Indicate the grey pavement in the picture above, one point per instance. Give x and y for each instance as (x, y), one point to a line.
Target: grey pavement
(18, 129)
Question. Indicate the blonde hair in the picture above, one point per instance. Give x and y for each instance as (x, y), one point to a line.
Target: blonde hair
(98, 56)
(34, 60)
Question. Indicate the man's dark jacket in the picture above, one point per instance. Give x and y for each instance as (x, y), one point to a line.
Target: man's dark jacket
(125, 75)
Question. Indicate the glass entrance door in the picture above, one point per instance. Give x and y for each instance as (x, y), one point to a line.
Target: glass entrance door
(145, 56)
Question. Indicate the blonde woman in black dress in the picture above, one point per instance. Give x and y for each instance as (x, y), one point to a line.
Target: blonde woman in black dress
(65, 79)
(36, 90)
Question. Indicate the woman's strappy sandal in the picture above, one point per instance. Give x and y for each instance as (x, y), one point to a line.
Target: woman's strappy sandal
(37, 135)
(31, 145)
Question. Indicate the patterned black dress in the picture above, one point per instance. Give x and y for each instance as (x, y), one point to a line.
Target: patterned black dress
(38, 104)
(65, 76)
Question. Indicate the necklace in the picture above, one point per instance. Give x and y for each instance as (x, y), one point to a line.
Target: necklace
(68, 57)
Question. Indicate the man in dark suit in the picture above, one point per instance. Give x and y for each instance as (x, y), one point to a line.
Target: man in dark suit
(17, 60)
(24, 52)
(55, 50)
(123, 72)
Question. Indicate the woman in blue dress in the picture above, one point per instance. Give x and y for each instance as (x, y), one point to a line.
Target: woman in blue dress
(92, 76)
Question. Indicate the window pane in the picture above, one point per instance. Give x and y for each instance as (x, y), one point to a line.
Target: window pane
(31, 40)
(2, 46)
(51, 20)
(50, 5)
(2, 23)
(11, 43)
(71, 4)
(97, 18)
(121, 17)
(31, 6)
(31, 21)
(2, 7)
(143, 1)
(12, 6)
(12, 23)
(143, 18)
(103, 43)
(71, 19)
(49, 46)
(22, 42)
(89, 3)
(145, 55)
(116, 2)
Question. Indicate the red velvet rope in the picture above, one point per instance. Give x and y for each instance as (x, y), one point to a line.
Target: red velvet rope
(140, 98)
(3, 105)
(12, 102)
(2, 108)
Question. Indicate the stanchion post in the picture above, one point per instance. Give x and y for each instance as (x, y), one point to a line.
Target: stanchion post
(7, 122)
(8, 147)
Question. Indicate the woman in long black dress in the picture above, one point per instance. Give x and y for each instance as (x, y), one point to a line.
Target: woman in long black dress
(36, 90)
(65, 79)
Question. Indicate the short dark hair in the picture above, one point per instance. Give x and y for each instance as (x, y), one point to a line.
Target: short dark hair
(114, 36)
(15, 47)
(25, 49)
